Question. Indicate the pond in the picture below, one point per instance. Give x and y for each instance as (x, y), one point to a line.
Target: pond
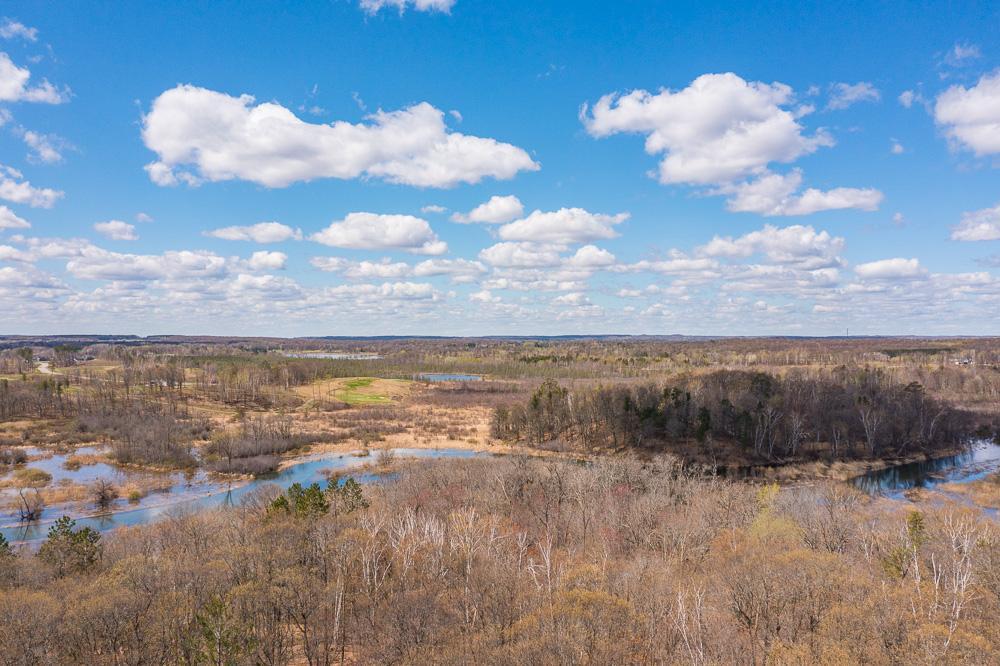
(980, 460)
(197, 497)
(448, 377)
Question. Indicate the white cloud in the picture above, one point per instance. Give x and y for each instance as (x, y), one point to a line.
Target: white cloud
(45, 148)
(433, 208)
(574, 298)
(907, 98)
(521, 255)
(143, 217)
(978, 225)
(484, 296)
(896, 148)
(406, 291)
(495, 211)
(8, 220)
(363, 270)
(961, 54)
(371, 231)
(267, 261)
(775, 194)
(97, 264)
(970, 117)
(890, 269)
(14, 188)
(116, 230)
(719, 129)
(843, 95)
(794, 245)
(565, 226)
(459, 270)
(220, 137)
(10, 29)
(262, 232)
(14, 85)
(591, 256)
(374, 6)
(676, 265)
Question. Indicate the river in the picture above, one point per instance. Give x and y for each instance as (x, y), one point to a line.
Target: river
(195, 492)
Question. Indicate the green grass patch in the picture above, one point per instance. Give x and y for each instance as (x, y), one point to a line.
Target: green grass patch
(359, 391)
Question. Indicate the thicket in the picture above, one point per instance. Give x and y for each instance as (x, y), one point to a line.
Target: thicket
(520, 561)
(848, 413)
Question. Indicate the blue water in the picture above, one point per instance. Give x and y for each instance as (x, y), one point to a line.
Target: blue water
(979, 461)
(448, 377)
(310, 470)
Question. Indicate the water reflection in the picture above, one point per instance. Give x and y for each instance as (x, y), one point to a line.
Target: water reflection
(448, 377)
(982, 459)
(216, 495)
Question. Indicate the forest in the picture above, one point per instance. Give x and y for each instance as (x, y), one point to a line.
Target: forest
(846, 414)
(517, 560)
(604, 513)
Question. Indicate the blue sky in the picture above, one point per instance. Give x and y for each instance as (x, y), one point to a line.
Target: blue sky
(370, 167)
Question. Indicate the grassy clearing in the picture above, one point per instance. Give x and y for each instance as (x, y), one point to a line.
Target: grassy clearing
(357, 390)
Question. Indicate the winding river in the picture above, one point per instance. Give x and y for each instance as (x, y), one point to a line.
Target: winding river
(979, 461)
(196, 492)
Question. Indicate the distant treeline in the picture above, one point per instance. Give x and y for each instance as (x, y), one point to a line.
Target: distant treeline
(848, 413)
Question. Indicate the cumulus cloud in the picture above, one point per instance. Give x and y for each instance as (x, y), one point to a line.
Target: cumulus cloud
(724, 132)
(891, 269)
(201, 134)
(794, 245)
(458, 270)
(591, 256)
(14, 188)
(521, 255)
(9, 220)
(262, 232)
(777, 194)
(719, 129)
(970, 117)
(565, 226)
(495, 211)
(363, 270)
(267, 261)
(374, 6)
(979, 225)
(372, 231)
(484, 296)
(843, 95)
(9, 29)
(98, 264)
(116, 230)
(433, 208)
(14, 85)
